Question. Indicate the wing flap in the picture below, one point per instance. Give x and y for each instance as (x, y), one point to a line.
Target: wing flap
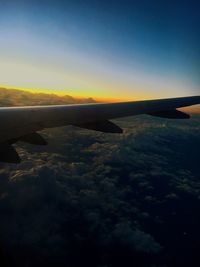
(101, 126)
(34, 138)
(171, 114)
(8, 154)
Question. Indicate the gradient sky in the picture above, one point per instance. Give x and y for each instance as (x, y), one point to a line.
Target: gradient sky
(104, 49)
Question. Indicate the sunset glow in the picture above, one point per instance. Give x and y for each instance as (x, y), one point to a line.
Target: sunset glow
(66, 50)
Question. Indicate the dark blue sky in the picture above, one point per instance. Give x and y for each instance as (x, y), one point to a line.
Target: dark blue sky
(126, 48)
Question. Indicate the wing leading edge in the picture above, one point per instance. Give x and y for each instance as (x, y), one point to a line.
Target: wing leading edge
(21, 123)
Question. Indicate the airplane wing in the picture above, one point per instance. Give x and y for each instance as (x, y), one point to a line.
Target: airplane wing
(22, 123)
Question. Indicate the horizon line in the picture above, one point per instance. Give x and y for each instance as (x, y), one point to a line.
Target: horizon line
(193, 109)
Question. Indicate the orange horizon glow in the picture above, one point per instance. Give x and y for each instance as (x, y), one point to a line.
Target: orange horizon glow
(73, 94)
(193, 109)
(87, 82)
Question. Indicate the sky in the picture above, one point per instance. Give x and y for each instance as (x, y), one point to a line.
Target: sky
(103, 49)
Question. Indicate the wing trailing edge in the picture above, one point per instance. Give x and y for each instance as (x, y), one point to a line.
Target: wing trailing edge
(171, 114)
(101, 126)
(9, 154)
(34, 139)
